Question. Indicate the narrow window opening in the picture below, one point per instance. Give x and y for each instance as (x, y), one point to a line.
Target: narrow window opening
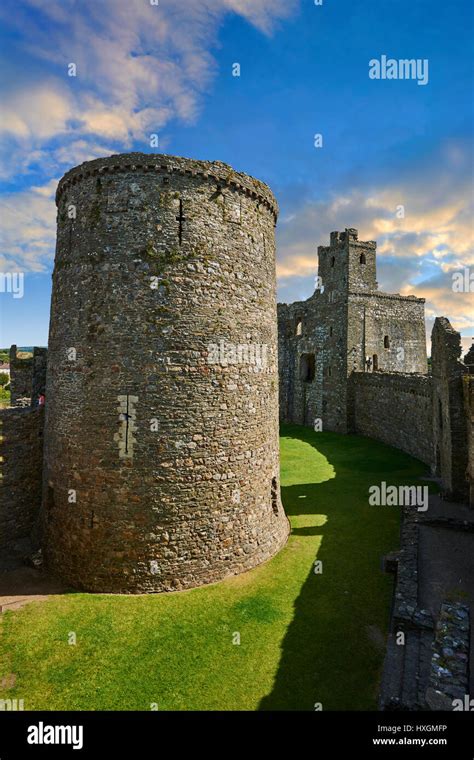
(362, 259)
(333, 261)
(440, 413)
(386, 342)
(180, 218)
(375, 362)
(299, 327)
(307, 367)
(274, 493)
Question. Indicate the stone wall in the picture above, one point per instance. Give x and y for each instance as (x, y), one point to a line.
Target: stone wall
(21, 376)
(389, 330)
(27, 376)
(345, 322)
(468, 392)
(394, 408)
(21, 452)
(312, 366)
(161, 459)
(449, 675)
(38, 385)
(450, 420)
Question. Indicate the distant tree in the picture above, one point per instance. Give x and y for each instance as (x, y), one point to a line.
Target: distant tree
(4, 378)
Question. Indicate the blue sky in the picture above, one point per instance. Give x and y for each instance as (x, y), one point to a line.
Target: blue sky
(167, 69)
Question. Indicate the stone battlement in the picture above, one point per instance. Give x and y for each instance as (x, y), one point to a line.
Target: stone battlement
(163, 164)
(350, 235)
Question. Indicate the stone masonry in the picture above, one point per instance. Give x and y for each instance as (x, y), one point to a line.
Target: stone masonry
(27, 376)
(21, 459)
(449, 415)
(161, 456)
(395, 408)
(347, 325)
(353, 359)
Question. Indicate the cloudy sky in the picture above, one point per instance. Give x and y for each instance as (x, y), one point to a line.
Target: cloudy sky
(166, 69)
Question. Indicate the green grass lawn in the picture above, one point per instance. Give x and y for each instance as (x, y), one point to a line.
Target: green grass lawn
(305, 638)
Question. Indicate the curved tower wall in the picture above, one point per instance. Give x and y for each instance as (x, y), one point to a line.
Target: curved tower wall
(161, 460)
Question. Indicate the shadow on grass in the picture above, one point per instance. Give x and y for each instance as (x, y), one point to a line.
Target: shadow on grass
(333, 650)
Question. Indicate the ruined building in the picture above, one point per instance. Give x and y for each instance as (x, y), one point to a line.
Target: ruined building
(160, 467)
(21, 451)
(161, 431)
(346, 326)
(353, 359)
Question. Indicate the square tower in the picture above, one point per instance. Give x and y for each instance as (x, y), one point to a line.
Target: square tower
(347, 263)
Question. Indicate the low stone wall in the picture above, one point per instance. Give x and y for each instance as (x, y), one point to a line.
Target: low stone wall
(395, 408)
(468, 392)
(449, 677)
(21, 456)
(27, 376)
(21, 376)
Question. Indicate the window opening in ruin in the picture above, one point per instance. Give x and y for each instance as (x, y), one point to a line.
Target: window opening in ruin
(333, 261)
(127, 424)
(386, 342)
(375, 362)
(274, 492)
(181, 218)
(307, 367)
(299, 327)
(440, 413)
(330, 331)
(125, 416)
(92, 520)
(362, 259)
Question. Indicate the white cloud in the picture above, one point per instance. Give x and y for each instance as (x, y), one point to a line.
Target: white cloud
(138, 67)
(415, 255)
(28, 229)
(36, 113)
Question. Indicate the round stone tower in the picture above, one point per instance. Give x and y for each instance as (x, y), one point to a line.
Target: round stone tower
(161, 440)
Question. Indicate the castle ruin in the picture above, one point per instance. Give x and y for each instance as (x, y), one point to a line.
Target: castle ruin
(160, 468)
(352, 359)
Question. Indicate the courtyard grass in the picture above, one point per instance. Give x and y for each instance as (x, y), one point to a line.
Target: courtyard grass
(305, 637)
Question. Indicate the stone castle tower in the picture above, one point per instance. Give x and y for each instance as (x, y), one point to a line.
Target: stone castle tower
(346, 326)
(161, 439)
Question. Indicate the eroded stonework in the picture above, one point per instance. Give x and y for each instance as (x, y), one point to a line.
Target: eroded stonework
(347, 325)
(161, 465)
